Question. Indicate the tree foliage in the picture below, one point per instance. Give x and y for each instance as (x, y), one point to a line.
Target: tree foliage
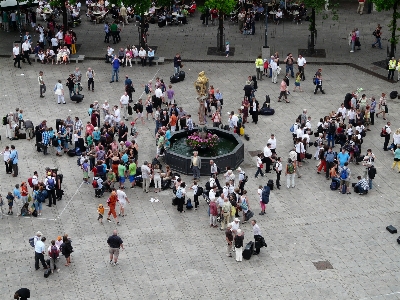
(224, 6)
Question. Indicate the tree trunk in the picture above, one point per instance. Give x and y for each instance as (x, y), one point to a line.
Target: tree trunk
(394, 28)
(312, 30)
(221, 31)
(142, 42)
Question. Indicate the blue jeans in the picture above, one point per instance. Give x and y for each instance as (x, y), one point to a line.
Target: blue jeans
(196, 172)
(290, 67)
(370, 183)
(259, 171)
(38, 205)
(115, 73)
(177, 69)
(158, 125)
(331, 139)
(378, 41)
(71, 92)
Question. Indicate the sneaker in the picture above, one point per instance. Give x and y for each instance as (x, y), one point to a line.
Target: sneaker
(109, 220)
(351, 51)
(116, 263)
(111, 262)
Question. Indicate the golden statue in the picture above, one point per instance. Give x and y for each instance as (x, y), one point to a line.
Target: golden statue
(201, 84)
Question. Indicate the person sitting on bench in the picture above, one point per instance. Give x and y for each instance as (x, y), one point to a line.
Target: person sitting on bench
(362, 186)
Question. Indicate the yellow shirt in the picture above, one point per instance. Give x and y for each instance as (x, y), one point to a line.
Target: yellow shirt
(195, 162)
(392, 64)
(259, 63)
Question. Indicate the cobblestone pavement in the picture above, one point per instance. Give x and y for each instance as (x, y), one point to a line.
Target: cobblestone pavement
(177, 256)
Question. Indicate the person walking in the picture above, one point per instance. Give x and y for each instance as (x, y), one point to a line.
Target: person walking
(122, 199)
(377, 33)
(115, 243)
(42, 86)
(386, 134)
(301, 63)
(112, 202)
(115, 68)
(16, 56)
(59, 91)
(259, 166)
(396, 159)
(195, 165)
(318, 83)
(278, 169)
(360, 8)
(39, 253)
(372, 110)
(382, 106)
(239, 245)
(26, 48)
(290, 173)
(283, 91)
(229, 240)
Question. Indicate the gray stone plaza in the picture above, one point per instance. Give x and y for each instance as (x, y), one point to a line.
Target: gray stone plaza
(178, 256)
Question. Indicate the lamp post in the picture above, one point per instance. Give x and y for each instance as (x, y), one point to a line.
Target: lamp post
(265, 49)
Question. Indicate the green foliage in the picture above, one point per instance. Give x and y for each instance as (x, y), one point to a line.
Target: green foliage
(385, 4)
(389, 5)
(224, 6)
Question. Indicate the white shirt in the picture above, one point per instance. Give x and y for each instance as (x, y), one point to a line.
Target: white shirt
(121, 196)
(342, 110)
(308, 125)
(241, 175)
(279, 14)
(273, 65)
(124, 99)
(110, 51)
(59, 35)
(235, 119)
(142, 53)
(54, 42)
(259, 162)
(351, 114)
(278, 166)
(272, 142)
(211, 195)
(39, 247)
(256, 230)
(300, 148)
(267, 152)
(388, 130)
(306, 136)
(235, 225)
(396, 138)
(158, 93)
(16, 50)
(35, 180)
(6, 155)
(299, 132)
(26, 46)
(301, 61)
(220, 201)
(117, 115)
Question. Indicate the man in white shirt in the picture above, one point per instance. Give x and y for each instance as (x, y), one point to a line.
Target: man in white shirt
(16, 55)
(26, 46)
(124, 101)
(233, 119)
(387, 136)
(40, 249)
(117, 114)
(278, 16)
(145, 176)
(211, 194)
(267, 158)
(342, 110)
(110, 54)
(122, 199)
(272, 141)
(158, 92)
(257, 237)
(308, 125)
(60, 37)
(214, 169)
(300, 131)
(235, 226)
(301, 62)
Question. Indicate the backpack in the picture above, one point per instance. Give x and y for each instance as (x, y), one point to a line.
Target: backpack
(199, 191)
(344, 174)
(146, 89)
(290, 168)
(40, 197)
(189, 204)
(265, 194)
(334, 185)
(51, 183)
(292, 129)
(32, 241)
(179, 193)
(53, 252)
(332, 128)
(95, 184)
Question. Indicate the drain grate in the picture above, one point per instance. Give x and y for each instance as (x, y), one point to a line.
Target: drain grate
(322, 265)
(254, 153)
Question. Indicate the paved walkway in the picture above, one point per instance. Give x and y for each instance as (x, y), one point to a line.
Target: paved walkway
(177, 256)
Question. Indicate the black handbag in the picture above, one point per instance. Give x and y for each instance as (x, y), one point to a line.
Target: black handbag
(386, 109)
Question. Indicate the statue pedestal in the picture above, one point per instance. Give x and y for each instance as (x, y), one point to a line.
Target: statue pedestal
(266, 52)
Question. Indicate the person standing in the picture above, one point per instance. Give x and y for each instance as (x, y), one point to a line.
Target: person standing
(259, 67)
(106, 32)
(301, 63)
(112, 202)
(22, 294)
(115, 243)
(372, 110)
(289, 64)
(178, 62)
(318, 83)
(26, 47)
(391, 67)
(90, 77)
(6, 156)
(226, 212)
(50, 183)
(145, 176)
(229, 240)
(54, 253)
(115, 65)
(396, 159)
(14, 159)
(124, 101)
(195, 165)
(59, 91)
(239, 245)
(290, 173)
(267, 158)
(39, 253)
(283, 92)
(42, 86)
(274, 69)
(278, 169)
(254, 110)
(360, 8)
(122, 199)
(257, 237)
(382, 106)
(16, 55)
(214, 212)
(387, 133)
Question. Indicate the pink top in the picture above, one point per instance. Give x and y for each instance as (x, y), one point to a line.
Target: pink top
(283, 86)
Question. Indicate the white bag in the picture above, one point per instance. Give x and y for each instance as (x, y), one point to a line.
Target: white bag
(262, 69)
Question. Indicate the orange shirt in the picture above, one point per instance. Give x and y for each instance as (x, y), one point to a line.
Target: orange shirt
(101, 210)
(24, 190)
(112, 201)
(172, 120)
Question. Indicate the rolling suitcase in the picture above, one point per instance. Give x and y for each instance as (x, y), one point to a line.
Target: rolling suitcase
(267, 111)
(391, 229)
(248, 250)
(247, 137)
(182, 75)
(78, 98)
(343, 191)
(174, 79)
(58, 122)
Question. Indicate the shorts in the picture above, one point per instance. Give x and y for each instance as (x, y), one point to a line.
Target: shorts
(100, 217)
(114, 251)
(297, 83)
(85, 175)
(342, 182)
(171, 101)
(122, 203)
(122, 179)
(139, 115)
(131, 178)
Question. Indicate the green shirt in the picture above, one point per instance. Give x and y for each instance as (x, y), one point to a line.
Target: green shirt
(111, 176)
(132, 169)
(121, 170)
(114, 27)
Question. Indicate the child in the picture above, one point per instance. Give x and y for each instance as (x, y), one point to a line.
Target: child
(227, 49)
(195, 197)
(297, 82)
(134, 132)
(266, 66)
(20, 118)
(89, 141)
(259, 166)
(85, 169)
(10, 199)
(98, 187)
(101, 213)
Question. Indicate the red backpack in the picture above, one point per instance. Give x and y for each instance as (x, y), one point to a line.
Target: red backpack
(30, 182)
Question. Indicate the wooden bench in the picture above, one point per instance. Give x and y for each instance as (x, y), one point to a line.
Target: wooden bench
(76, 57)
(156, 59)
(33, 57)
